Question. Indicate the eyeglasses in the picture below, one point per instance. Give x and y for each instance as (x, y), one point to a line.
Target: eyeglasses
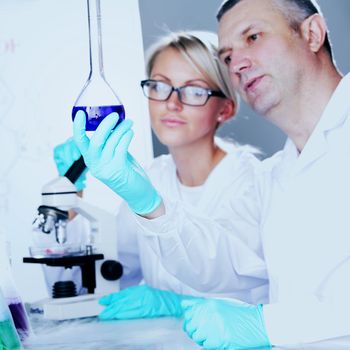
(188, 95)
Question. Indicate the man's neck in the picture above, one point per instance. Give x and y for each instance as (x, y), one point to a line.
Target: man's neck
(301, 113)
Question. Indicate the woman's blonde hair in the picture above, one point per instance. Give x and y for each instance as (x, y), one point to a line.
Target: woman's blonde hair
(200, 49)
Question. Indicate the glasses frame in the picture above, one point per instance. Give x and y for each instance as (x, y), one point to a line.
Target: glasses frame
(210, 93)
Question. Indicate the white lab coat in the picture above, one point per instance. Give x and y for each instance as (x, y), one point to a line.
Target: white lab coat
(305, 201)
(210, 248)
(204, 245)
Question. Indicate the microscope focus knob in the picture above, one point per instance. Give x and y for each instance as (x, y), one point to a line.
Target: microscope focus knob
(111, 270)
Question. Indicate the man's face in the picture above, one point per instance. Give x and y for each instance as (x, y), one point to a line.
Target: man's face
(263, 54)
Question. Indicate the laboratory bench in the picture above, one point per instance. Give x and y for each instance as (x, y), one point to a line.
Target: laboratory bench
(143, 334)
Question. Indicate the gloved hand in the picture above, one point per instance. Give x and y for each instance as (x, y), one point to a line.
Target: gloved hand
(141, 302)
(65, 155)
(106, 155)
(223, 324)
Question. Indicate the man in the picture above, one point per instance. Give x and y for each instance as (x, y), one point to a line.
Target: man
(280, 60)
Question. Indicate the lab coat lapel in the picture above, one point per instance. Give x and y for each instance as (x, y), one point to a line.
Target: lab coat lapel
(333, 116)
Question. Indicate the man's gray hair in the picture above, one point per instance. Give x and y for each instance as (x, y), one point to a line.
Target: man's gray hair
(295, 11)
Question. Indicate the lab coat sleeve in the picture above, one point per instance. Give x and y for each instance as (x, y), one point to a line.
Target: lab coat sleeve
(210, 254)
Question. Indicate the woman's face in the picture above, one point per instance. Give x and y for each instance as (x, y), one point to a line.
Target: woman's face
(175, 123)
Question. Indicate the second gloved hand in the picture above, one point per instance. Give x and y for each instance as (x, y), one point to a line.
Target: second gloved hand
(107, 157)
(65, 155)
(224, 324)
(141, 302)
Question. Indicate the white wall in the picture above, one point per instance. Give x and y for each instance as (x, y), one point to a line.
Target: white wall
(43, 66)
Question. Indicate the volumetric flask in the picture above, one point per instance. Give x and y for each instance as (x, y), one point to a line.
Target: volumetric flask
(11, 295)
(97, 99)
(8, 335)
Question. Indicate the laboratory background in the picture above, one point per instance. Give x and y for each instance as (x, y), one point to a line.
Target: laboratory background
(158, 16)
(44, 64)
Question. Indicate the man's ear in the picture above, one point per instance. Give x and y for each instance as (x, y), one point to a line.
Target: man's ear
(314, 31)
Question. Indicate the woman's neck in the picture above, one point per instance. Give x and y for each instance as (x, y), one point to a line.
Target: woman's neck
(194, 163)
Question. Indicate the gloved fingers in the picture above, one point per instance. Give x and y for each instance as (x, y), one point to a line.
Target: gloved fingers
(189, 327)
(102, 134)
(136, 166)
(211, 344)
(123, 146)
(187, 304)
(74, 150)
(188, 313)
(112, 140)
(121, 312)
(107, 299)
(132, 313)
(113, 147)
(107, 314)
(70, 153)
(79, 133)
(198, 337)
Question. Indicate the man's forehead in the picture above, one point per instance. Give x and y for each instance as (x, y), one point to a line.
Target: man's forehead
(246, 15)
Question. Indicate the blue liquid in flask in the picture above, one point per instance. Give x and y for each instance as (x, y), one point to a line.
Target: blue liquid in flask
(95, 114)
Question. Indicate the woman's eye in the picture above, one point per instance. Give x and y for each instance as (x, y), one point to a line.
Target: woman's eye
(199, 92)
(157, 87)
(195, 91)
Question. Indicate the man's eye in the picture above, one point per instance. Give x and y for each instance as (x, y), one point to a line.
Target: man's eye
(253, 37)
(227, 60)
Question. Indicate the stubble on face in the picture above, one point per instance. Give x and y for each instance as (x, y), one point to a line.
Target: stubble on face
(260, 69)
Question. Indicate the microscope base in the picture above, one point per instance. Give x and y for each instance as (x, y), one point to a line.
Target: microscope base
(68, 308)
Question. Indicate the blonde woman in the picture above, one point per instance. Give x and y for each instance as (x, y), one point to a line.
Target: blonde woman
(193, 194)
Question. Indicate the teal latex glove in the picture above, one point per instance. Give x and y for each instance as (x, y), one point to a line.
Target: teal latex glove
(65, 155)
(141, 302)
(222, 324)
(107, 157)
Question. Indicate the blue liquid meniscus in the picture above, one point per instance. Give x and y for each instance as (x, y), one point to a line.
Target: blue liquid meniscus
(95, 114)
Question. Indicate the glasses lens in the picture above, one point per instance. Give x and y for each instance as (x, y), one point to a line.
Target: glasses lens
(194, 95)
(156, 90)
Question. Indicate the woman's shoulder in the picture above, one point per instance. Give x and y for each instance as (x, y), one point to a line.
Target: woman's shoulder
(244, 152)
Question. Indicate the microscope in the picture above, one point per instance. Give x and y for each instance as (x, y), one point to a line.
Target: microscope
(100, 270)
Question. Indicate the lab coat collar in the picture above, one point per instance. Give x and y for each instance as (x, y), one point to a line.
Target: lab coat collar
(333, 116)
(229, 164)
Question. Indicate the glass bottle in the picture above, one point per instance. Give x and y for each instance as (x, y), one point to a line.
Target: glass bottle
(11, 295)
(97, 99)
(8, 335)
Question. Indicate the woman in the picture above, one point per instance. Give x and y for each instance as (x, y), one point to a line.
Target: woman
(196, 189)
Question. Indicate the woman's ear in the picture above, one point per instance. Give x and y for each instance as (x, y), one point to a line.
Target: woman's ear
(314, 31)
(227, 111)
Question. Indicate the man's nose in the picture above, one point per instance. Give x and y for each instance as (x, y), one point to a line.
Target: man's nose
(240, 62)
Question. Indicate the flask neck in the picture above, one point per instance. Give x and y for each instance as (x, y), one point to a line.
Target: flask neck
(95, 39)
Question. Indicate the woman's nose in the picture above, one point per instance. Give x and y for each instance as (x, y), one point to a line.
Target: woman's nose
(174, 102)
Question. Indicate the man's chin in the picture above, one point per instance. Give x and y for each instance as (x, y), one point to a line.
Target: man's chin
(262, 106)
